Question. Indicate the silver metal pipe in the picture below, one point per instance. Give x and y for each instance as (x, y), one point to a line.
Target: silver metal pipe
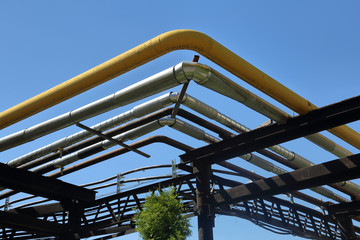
(185, 128)
(202, 75)
(223, 85)
(182, 72)
(147, 87)
(106, 144)
(194, 104)
(136, 112)
(252, 158)
(217, 116)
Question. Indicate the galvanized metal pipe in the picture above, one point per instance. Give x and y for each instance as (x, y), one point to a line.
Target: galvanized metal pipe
(170, 142)
(129, 135)
(183, 72)
(185, 128)
(192, 103)
(113, 132)
(147, 87)
(266, 165)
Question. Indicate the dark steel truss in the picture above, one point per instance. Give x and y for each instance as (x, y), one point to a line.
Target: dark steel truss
(114, 214)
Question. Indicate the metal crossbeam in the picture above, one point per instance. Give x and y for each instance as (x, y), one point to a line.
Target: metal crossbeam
(348, 208)
(112, 140)
(317, 120)
(29, 182)
(317, 175)
(30, 224)
(114, 213)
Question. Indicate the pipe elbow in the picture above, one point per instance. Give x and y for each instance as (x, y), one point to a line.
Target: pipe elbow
(167, 121)
(186, 71)
(182, 39)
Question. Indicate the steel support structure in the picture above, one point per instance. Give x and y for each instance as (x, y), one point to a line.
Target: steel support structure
(29, 224)
(204, 206)
(113, 215)
(330, 116)
(109, 213)
(29, 182)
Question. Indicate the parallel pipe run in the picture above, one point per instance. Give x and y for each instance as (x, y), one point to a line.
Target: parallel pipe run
(180, 126)
(147, 87)
(190, 71)
(156, 47)
(183, 72)
(113, 132)
(171, 142)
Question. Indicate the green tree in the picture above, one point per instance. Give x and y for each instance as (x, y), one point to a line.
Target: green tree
(161, 217)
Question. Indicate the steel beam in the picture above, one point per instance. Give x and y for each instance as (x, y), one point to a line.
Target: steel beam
(30, 224)
(204, 208)
(317, 120)
(325, 173)
(40, 210)
(29, 182)
(348, 208)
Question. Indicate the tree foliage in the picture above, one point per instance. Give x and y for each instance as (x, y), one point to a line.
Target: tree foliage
(161, 217)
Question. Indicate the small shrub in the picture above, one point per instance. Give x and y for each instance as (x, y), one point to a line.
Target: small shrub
(161, 217)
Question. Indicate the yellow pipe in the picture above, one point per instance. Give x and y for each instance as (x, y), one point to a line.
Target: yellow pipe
(156, 47)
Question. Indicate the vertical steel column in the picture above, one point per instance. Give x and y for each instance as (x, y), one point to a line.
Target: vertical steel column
(346, 227)
(74, 220)
(204, 205)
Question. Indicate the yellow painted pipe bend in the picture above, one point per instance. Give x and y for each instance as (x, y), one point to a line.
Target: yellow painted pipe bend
(156, 47)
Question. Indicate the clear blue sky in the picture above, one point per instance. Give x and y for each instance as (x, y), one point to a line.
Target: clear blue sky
(312, 47)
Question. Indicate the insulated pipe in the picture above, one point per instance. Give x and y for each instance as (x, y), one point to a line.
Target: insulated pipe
(90, 150)
(180, 126)
(258, 104)
(189, 71)
(166, 100)
(170, 142)
(223, 85)
(113, 132)
(266, 165)
(156, 47)
(147, 87)
(183, 72)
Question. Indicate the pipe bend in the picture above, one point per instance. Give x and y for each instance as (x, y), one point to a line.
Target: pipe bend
(186, 71)
(154, 48)
(167, 121)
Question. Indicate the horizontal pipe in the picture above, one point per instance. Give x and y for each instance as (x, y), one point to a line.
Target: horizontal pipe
(171, 142)
(350, 188)
(101, 146)
(200, 107)
(147, 87)
(208, 111)
(183, 72)
(113, 132)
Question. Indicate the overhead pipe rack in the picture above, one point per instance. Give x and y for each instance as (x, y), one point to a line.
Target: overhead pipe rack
(287, 128)
(154, 48)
